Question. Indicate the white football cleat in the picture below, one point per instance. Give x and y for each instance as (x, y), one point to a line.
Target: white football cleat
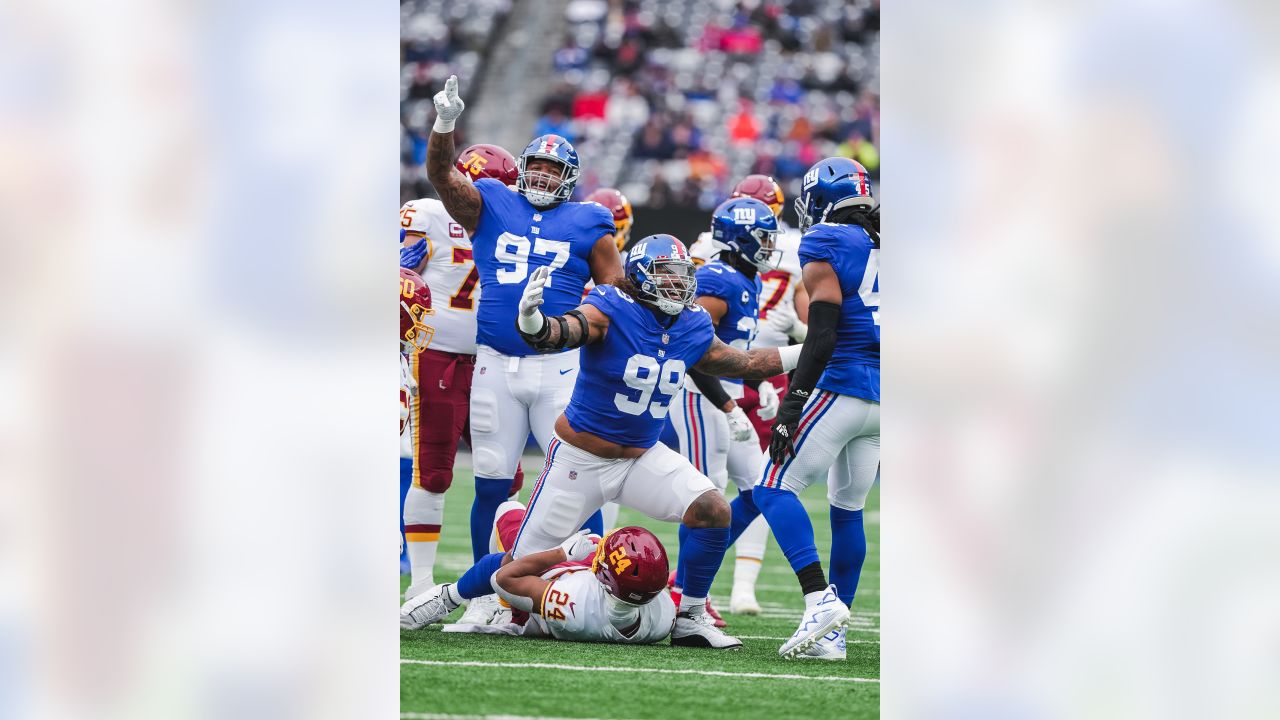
(480, 611)
(430, 607)
(819, 619)
(829, 647)
(696, 628)
(742, 601)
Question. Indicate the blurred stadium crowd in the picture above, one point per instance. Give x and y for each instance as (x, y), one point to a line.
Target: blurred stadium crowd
(671, 101)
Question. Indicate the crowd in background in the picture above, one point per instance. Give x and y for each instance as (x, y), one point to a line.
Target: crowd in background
(672, 101)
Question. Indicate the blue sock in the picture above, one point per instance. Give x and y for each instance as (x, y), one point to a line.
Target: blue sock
(848, 550)
(702, 550)
(744, 511)
(790, 524)
(406, 481)
(475, 582)
(489, 495)
(595, 523)
(683, 533)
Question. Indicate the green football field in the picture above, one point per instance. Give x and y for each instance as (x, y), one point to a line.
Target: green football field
(461, 675)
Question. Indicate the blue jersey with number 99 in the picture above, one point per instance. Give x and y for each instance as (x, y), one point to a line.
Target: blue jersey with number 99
(626, 382)
(514, 238)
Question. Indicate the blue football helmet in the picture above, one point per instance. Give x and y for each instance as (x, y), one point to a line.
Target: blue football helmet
(660, 268)
(541, 188)
(747, 227)
(830, 184)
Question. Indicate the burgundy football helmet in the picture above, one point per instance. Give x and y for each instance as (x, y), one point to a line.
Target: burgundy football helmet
(632, 564)
(489, 161)
(615, 202)
(763, 188)
(415, 306)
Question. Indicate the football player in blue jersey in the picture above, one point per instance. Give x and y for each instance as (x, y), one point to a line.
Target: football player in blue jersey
(829, 423)
(513, 234)
(639, 338)
(715, 434)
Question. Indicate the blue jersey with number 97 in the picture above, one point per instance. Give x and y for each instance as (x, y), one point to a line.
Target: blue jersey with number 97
(514, 238)
(854, 368)
(626, 382)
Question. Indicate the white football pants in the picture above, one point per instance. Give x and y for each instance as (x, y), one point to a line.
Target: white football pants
(511, 396)
(838, 440)
(703, 430)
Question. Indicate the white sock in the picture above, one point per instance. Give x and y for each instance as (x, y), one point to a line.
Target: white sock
(423, 514)
(812, 598)
(693, 606)
(454, 596)
(749, 551)
(610, 512)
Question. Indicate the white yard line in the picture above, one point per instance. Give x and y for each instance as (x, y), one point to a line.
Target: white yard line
(662, 671)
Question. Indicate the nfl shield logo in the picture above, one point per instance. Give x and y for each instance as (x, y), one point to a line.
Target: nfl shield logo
(665, 338)
(573, 474)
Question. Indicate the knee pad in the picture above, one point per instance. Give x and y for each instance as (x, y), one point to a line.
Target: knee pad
(559, 512)
(488, 461)
(436, 480)
(484, 411)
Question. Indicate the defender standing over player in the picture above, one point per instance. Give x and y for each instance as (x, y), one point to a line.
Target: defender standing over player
(439, 249)
(515, 390)
(640, 339)
(836, 427)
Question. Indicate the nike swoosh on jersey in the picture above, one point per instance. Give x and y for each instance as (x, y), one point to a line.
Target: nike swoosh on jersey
(565, 372)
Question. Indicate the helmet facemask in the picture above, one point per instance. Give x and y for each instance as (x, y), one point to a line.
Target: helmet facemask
(668, 284)
(542, 188)
(764, 258)
(417, 338)
(802, 212)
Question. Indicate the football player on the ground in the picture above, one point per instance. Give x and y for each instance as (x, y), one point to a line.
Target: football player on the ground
(514, 235)
(833, 432)
(439, 249)
(640, 337)
(616, 596)
(715, 434)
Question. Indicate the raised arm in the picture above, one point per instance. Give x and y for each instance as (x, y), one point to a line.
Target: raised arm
(460, 197)
(581, 326)
(606, 263)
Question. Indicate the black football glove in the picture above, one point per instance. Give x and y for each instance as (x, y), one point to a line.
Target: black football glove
(784, 428)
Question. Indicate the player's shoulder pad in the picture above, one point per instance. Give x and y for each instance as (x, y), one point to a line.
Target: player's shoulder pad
(595, 216)
(608, 299)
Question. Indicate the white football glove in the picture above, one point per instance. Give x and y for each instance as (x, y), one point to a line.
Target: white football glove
(448, 106)
(531, 318)
(739, 426)
(580, 546)
(799, 331)
(769, 402)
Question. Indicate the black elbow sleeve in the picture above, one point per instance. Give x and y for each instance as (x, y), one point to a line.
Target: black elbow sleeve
(824, 318)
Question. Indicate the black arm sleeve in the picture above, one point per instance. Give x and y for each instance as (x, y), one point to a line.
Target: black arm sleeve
(542, 340)
(818, 346)
(710, 387)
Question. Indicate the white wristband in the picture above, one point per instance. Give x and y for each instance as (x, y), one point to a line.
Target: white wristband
(441, 126)
(790, 356)
(531, 324)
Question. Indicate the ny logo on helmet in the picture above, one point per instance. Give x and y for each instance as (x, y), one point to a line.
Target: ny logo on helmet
(810, 178)
(744, 215)
(637, 252)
